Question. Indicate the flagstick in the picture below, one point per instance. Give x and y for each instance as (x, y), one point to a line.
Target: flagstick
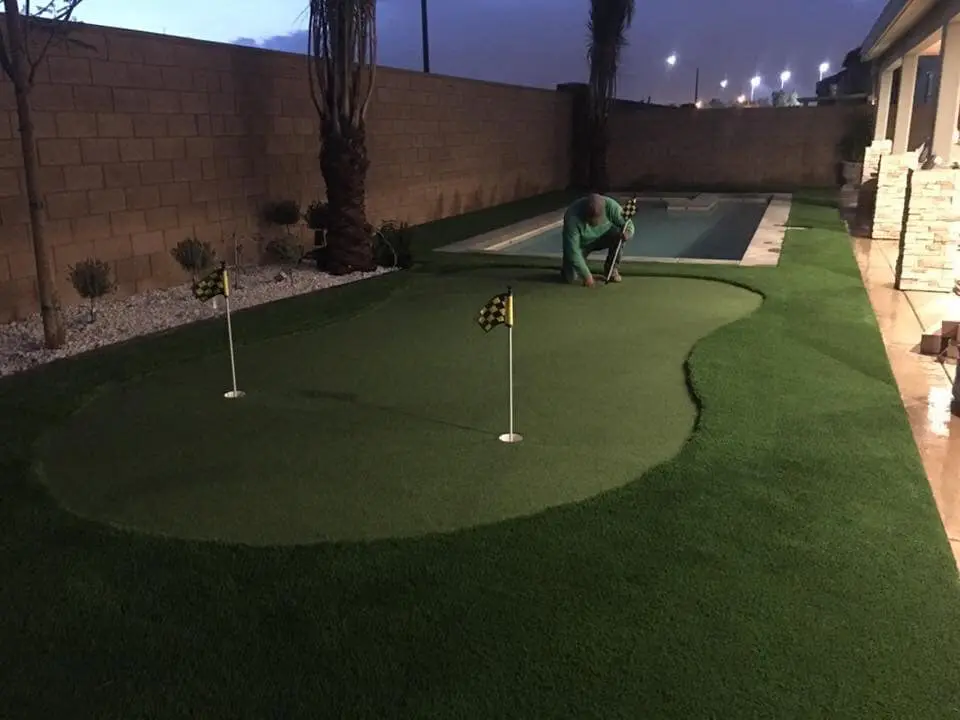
(510, 437)
(235, 393)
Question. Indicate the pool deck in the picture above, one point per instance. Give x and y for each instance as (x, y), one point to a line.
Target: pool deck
(763, 251)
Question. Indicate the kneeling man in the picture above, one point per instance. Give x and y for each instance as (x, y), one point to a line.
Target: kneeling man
(592, 223)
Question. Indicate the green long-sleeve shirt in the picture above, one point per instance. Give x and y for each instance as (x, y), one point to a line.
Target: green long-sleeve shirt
(578, 234)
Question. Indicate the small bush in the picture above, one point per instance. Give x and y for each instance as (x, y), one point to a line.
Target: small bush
(91, 279)
(194, 256)
(316, 215)
(284, 213)
(393, 245)
(284, 251)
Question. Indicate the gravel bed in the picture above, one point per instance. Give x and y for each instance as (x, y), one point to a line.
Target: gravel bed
(119, 319)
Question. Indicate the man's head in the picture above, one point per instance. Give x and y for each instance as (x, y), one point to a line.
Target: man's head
(595, 208)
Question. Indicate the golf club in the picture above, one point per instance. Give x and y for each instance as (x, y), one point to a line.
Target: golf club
(629, 210)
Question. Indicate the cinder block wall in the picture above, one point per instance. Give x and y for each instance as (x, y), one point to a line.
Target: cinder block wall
(145, 140)
(736, 147)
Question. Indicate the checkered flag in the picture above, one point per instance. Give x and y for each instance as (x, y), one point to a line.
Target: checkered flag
(212, 285)
(629, 209)
(499, 311)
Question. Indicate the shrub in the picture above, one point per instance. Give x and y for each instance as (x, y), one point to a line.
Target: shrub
(91, 279)
(194, 256)
(393, 245)
(316, 215)
(283, 212)
(284, 251)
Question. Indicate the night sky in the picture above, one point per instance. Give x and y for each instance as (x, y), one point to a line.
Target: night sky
(542, 42)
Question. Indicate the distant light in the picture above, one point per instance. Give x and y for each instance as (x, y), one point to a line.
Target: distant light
(784, 77)
(672, 60)
(699, 104)
(724, 83)
(741, 99)
(824, 66)
(755, 81)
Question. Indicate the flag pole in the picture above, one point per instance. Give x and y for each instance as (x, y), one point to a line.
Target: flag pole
(510, 437)
(235, 393)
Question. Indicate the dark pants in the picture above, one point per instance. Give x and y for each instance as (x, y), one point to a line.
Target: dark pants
(607, 242)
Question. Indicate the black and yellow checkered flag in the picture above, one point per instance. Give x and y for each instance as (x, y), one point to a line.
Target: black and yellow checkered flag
(499, 311)
(214, 284)
(629, 210)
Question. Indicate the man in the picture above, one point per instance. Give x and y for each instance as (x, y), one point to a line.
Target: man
(592, 223)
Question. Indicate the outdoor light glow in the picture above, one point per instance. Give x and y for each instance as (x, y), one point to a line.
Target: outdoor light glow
(824, 66)
(784, 78)
(723, 84)
(741, 99)
(755, 81)
(672, 60)
(699, 104)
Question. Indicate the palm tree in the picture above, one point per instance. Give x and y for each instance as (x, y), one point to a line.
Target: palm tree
(607, 26)
(342, 60)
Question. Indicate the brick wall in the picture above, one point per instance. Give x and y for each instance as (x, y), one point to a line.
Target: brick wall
(145, 140)
(765, 148)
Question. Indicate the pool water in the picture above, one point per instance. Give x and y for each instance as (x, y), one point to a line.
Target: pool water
(722, 233)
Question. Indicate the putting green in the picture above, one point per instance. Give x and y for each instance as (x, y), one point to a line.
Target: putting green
(386, 425)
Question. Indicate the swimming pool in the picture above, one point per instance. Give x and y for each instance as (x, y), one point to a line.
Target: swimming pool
(693, 227)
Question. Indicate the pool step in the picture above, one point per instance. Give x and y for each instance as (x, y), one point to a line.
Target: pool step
(701, 203)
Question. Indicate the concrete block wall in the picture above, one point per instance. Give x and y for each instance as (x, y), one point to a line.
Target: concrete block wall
(736, 147)
(144, 140)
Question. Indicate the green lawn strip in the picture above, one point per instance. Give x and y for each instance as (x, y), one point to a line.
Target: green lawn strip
(789, 562)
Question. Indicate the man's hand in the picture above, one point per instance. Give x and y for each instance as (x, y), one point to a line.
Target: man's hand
(588, 281)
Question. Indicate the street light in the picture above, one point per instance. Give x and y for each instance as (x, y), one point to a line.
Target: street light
(754, 84)
(672, 59)
(824, 66)
(723, 84)
(741, 99)
(698, 104)
(784, 78)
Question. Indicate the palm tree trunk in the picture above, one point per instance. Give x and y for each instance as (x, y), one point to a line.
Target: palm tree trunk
(597, 153)
(344, 164)
(54, 334)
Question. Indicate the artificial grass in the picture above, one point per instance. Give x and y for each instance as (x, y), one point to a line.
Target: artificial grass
(387, 425)
(789, 562)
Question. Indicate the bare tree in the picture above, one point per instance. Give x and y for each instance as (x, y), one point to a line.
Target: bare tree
(29, 32)
(342, 60)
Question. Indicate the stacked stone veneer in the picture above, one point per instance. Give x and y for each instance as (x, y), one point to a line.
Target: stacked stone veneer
(867, 192)
(931, 230)
(891, 199)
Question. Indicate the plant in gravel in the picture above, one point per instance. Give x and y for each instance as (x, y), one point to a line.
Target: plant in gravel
(194, 256)
(393, 245)
(92, 280)
(284, 213)
(286, 252)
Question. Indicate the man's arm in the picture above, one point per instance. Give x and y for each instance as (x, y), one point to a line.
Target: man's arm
(572, 250)
(615, 216)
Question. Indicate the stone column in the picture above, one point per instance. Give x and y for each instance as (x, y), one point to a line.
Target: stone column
(884, 92)
(867, 192)
(889, 210)
(930, 232)
(948, 93)
(908, 85)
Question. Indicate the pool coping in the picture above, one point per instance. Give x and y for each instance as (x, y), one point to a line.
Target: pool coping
(763, 250)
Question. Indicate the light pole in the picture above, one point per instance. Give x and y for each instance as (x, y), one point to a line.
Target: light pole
(425, 36)
(754, 84)
(784, 78)
(824, 66)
